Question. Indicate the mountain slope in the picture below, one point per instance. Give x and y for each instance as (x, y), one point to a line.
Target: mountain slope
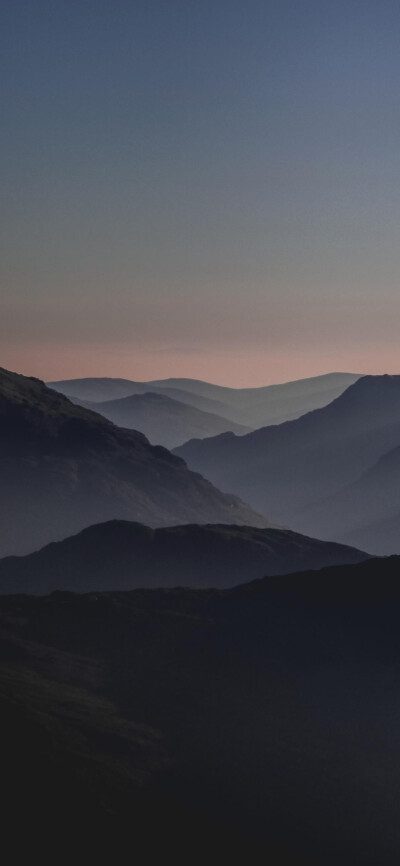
(96, 389)
(64, 468)
(243, 396)
(121, 555)
(270, 404)
(269, 713)
(101, 390)
(366, 511)
(253, 407)
(284, 469)
(163, 420)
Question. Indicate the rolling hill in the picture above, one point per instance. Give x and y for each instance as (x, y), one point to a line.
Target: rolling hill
(269, 404)
(252, 407)
(163, 420)
(124, 556)
(97, 389)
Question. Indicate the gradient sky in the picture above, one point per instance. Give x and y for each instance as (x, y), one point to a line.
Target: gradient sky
(195, 188)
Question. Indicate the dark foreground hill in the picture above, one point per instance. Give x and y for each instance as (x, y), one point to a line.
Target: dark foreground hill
(121, 555)
(64, 467)
(163, 420)
(260, 720)
(301, 473)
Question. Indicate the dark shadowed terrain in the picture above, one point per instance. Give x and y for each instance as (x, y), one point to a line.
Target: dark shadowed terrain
(121, 555)
(270, 712)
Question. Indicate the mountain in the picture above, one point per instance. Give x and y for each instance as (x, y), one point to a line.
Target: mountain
(124, 556)
(270, 404)
(64, 467)
(261, 720)
(291, 470)
(252, 407)
(205, 404)
(97, 389)
(163, 420)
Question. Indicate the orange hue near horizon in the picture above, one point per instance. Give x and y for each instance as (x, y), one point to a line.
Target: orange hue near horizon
(234, 368)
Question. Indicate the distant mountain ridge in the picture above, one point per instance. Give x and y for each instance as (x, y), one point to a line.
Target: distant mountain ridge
(253, 407)
(293, 469)
(164, 420)
(64, 467)
(123, 556)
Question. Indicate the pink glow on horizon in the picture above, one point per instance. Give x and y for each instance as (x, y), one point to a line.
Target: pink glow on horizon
(251, 368)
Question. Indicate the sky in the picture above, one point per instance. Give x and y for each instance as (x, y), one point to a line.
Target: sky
(202, 189)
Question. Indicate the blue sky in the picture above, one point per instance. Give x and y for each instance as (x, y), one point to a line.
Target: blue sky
(202, 189)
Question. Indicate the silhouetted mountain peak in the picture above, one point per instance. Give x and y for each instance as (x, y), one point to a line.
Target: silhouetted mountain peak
(29, 393)
(370, 389)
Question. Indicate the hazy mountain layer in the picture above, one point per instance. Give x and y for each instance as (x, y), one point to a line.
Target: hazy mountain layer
(270, 404)
(97, 389)
(64, 468)
(285, 469)
(366, 511)
(253, 407)
(163, 420)
(206, 404)
(261, 720)
(100, 390)
(121, 555)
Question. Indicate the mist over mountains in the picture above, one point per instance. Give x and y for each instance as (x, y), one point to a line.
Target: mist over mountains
(329, 474)
(64, 468)
(302, 472)
(252, 407)
(163, 420)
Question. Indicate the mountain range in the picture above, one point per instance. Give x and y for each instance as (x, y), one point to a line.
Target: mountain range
(64, 467)
(119, 555)
(331, 473)
(258, 722)
(252, 407)
(268, 404)
(163, 420)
